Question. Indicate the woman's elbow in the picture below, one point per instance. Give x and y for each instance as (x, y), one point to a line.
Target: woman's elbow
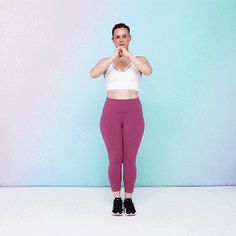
(148, 71)
(93, 74)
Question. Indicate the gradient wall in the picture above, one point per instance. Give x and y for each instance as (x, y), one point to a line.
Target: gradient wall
(50, 107)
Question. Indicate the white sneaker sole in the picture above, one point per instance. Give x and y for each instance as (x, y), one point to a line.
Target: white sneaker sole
(130, 214)
(117, 214)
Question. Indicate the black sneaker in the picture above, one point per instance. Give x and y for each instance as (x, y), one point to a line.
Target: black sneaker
(129, 207)
(117, 207)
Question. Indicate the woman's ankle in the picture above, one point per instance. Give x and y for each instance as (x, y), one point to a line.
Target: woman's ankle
(116, 194)
(128, 195)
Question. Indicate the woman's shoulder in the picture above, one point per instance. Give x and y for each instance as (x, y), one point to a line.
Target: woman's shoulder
(101, 60)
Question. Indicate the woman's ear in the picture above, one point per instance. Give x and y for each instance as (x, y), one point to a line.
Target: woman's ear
(130, 37)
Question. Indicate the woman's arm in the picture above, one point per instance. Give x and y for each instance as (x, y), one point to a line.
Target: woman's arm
(141, 63)
(101, 67)
(103, 64)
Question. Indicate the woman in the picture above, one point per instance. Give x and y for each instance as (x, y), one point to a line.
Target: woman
(122, 121)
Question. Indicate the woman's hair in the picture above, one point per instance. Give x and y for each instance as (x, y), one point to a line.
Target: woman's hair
(120, 25)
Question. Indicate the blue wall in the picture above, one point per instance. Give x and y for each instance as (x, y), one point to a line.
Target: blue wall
(50, 108)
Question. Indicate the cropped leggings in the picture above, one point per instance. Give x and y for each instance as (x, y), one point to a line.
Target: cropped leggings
(122, 128)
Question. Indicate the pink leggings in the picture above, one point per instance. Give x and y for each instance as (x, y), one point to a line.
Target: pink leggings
(122, 128)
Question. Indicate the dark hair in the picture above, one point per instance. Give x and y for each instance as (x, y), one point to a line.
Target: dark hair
(120, 25)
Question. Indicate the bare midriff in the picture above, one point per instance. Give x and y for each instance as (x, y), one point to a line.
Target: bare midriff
(122, 94)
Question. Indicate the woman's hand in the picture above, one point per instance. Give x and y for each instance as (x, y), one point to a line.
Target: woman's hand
(123, 52)
(120, 52)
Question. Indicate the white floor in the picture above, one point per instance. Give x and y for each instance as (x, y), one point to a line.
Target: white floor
(83, 211)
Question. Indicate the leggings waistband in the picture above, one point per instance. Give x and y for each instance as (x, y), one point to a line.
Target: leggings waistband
(123, 105)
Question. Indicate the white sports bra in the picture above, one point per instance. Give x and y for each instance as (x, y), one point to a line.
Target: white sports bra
(129, 78)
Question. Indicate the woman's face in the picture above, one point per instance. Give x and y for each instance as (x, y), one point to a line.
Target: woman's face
(121, 37)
